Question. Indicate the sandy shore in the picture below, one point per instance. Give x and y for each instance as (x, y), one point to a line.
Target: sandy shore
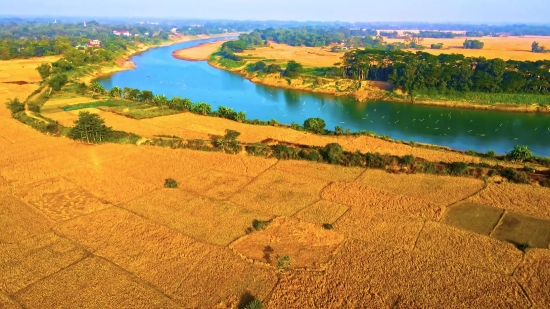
(200, 52)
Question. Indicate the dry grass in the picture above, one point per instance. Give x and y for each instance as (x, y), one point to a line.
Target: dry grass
(446, 243)
(534, 275)
(93, 281)
(308, 246)
(209, 221)
(7, 302)
(37, 257)
(524, 199)
(274, 192)
(60, 199)
(514, 48)
(320, 171)
(198, 52)
(307, 56)
(218, 185)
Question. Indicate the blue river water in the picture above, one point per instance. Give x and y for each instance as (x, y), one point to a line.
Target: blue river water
(157, 70)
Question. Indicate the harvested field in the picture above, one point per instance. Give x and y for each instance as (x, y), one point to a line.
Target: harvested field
(60, 199)
(441, 190)
(446, 243)
(93, 281)
(507, 48)
(528, 200)
(534, 275)
(19, 220)
(40, 257)
(275, 193)
(307, 56)
(308, 246)
(214, 222)
(373, 199)
(380, 229)
(322, 212)
(320, 171)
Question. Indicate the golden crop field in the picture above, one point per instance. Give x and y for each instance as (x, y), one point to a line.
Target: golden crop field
(82, 224)
(506, 48)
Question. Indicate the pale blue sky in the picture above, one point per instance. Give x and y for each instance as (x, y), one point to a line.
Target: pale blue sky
(472, 11)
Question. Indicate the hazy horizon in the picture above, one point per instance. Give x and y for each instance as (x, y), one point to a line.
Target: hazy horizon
(429, 11)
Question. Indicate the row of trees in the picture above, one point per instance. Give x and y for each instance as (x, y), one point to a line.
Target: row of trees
(419, 71)
(312, 36)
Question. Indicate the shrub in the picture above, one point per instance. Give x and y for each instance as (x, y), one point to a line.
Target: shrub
(90, 128)
(520, 153)
(310, 155)
(259, 225)
(255, 304)
(470, 152)
(296, 126)
(257, 149)
(407, 160)
(15, 106)
(546, 183)
(170, 183)
(355, 159)
(315, 125)
(272, 122)
(34, 107)
(57, 81)
(284, 262)
(491, 154)
(515, 176)
(327, 226)
(375, 160)
(458, 168)
(333, 153)
(284, 152)
(429, 168)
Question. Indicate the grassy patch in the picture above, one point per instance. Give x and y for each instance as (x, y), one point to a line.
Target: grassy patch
(106, 103)
(489, 98)
(139, 111)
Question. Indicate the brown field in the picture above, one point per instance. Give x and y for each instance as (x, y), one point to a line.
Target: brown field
(307, 56)
(507, 48)
(92, 224)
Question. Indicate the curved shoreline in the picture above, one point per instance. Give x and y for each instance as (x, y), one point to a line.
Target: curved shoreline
(364, 94)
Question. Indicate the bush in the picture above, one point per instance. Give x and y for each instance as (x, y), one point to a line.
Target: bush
(458, 168)
(515, 176)
(546, 183)
(375, 160)
(315, 125)
(355, 159)
(255, 304)
(429, 168)
(57, 81)
(296, 126)
(257, 149)
(333, 153)
(15, 106)
(170, 183)
(520, 153)
(310, 155)
(259, 225)
(327, 226)
(491, 154)
(407, 160)
(34, 107)
(284, 262)
(284, 152)
(90, 128)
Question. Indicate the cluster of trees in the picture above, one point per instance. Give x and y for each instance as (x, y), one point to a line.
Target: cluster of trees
(473, 44)
(537, 48)
(422, 71)
(437, 46)
(45, 39)
(312, 36)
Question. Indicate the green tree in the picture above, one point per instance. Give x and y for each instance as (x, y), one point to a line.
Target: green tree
(44, 70)
(520, 153)
(293, 69)
(57, 81)
(333, 153)
(97, 88)
(473, 44)
(115, 92)
(90, 128)
(315, 125)
(145, 96)
(15, 106)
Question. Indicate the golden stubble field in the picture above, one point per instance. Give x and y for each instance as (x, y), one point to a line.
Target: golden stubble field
(82, 224)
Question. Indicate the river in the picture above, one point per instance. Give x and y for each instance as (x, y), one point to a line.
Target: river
(463, 129)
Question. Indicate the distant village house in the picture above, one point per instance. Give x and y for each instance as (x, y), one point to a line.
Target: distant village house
(121, 32)
(94, 43)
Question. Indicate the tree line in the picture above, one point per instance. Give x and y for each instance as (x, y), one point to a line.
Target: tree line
(420, 71)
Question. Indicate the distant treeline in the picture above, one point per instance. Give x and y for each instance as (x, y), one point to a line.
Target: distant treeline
(312, 36)
(422, 71)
